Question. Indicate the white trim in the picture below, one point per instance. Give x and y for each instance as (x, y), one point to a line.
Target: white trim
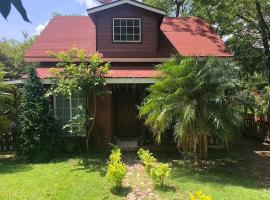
(107, 80)
(130, 80)
(128, 41)
(121, 2)
(121, 60)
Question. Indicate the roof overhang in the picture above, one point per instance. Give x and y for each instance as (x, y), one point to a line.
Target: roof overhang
(121, 2)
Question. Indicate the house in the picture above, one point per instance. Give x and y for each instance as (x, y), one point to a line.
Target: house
(133, 37)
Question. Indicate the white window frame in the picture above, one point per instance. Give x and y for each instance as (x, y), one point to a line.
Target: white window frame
(128, 41)
(70, 105)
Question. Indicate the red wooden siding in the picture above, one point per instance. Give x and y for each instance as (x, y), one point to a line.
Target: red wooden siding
(150, 32)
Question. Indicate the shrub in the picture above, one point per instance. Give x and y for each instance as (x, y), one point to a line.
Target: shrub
(116, 169)
(159, 172)
(37, 136)
(147, 158)
(199, 196)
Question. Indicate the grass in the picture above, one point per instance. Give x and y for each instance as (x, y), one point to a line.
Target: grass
(223, 180)
(81, 178)
(64, 179)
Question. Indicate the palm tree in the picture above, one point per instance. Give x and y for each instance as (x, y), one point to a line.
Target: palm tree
(7, 105)
(195, 98)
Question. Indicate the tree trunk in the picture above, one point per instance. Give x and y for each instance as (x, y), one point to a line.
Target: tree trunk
(205, 147)
(264, 30)
(93, 116)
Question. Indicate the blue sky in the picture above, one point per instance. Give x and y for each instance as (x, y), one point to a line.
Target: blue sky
(39, 12)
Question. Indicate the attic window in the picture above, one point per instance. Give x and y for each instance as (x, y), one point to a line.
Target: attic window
(127, 30)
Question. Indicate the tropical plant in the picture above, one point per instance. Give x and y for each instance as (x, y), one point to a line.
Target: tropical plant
(116, 169)
(7, 104)
(199, 196)
(147, 158)
(37, 136)
(198, 99)
(159, 172)
(86, 75)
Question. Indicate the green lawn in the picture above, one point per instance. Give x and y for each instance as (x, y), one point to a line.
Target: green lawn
(75, 178)
(67, 179)
(226, 179)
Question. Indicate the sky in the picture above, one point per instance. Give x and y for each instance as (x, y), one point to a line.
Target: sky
(40, 13)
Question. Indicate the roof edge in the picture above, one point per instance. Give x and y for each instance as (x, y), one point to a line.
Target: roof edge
(121, 2)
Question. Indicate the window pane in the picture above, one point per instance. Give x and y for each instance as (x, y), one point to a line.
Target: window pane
(129, 30)
(117, 30)
(130, 37)
(136, 30)
(123, 22)
(136, 22)
(136, 37)
(123, 37)
(123, 30)
(116, 22)
(130, 22)
(116, 37)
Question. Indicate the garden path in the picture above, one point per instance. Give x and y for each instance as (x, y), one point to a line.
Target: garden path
(139, 180)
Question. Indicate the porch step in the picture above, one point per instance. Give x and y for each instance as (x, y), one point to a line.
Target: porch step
(127, 144)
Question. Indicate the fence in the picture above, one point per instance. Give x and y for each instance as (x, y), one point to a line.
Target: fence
(257, 126)
(6, 143)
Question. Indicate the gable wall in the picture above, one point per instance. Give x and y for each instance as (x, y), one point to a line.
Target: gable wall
(150, 32)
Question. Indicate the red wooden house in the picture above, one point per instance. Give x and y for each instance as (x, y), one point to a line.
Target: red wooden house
(133, 37)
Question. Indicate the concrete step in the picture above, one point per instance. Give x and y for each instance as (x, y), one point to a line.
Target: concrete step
(127, 144)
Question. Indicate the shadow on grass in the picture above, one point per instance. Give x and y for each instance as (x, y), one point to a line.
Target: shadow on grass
(93, 163)
(122, 191)
(9, 166)
(166, 188)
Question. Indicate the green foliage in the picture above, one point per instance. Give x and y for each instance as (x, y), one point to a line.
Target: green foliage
(195, 98)
(147, 158)
(159, 172)
(244, 28)
(79, 72)
(12, 57)
(37, 136)
(7, 105)
(77, 125)
(173, 8)
(199, 196)
(116, 169)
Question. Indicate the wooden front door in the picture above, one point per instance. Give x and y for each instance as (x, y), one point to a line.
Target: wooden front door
(126, 114)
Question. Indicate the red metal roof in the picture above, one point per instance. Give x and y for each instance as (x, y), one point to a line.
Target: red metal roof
(189, 36)
(61, 34)
(115, 72)
(192, 36)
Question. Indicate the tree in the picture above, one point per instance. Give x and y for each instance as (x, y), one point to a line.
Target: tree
(246, 23)
(195, 99)
(12, 57)
(5, 7)
(37, 135)
(7, 104)
(80, 72)
(172, 7)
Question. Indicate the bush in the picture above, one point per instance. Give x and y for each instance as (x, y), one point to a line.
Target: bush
(159, 172)
(199, 196)
(116, 169)
(147, 158)
(37, 137)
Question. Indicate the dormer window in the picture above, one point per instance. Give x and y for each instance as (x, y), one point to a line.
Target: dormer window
(126, 30)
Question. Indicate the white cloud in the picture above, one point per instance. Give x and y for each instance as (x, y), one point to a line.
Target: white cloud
(40, 28)
(89, 3)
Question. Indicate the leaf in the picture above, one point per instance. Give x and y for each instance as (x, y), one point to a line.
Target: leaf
(5, 7)
(19, 6)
